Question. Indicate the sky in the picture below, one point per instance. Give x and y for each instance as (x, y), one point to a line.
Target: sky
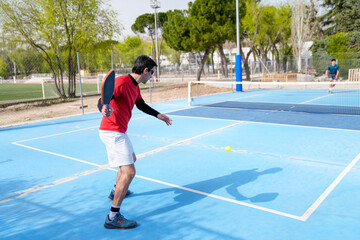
(129, 10)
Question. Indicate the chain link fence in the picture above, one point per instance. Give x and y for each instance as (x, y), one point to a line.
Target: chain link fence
(26, 75)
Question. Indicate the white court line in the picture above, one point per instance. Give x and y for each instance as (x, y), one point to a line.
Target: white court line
(226, 100)
(53, 184)
(57, 154)
(57, 134)
(36, 188)
(221, 198)
(316, 99)
(280, 124)
(185, 140)
(304, 217)
(326, 193)
(82, 129)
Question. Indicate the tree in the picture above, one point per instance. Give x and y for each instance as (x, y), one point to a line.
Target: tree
(271, 25)
(176, 31)
(344, 47)
(145, 24)
(281, 46)
(302, 26)
(66, 25)
(342, 16)
(213, 22)
(130, 49)
(249, 32)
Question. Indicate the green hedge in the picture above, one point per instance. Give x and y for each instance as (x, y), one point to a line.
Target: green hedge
(344, 47)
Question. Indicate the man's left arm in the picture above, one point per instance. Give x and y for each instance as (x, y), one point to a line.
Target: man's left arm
(337, 73)
(141, 105)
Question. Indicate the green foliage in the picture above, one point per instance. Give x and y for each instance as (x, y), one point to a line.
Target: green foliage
(172, 55)
(342, 16)
(145, 23)
(130, 49)
(213, 22)
(176, 31)
(320, 57)
(206, 23)
(28, 61)
(337, 43)
(71, 25)
(4, 67)
(342, 46)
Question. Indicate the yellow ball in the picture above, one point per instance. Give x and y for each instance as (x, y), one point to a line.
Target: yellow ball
(228, 148)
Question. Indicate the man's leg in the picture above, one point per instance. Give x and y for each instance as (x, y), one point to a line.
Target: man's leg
(331, 85)
(128, 192)
(123, 180)
(124, 177)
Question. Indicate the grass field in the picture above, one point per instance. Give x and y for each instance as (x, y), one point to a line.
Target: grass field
(28, 91)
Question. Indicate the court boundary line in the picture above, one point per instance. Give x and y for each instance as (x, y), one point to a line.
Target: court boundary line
(274, 110)
(105, 167)
(324, 96)
(2, 127)
(82, 129)
(282, 124)
(304, 217)
(53, 184)
(142, 155)
(329, 189)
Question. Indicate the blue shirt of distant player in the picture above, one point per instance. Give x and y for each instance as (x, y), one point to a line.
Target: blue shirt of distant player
(333, 69)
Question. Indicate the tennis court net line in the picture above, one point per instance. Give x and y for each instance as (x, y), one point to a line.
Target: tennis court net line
(309, 97)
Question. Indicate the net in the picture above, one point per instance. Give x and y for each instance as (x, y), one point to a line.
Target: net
(310, 97)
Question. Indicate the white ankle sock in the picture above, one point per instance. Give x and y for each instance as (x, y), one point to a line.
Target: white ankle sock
(114, 210)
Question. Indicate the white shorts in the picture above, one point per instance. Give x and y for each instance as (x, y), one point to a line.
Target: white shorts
(118, 147)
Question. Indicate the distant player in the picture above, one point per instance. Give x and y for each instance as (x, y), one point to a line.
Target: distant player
(113, 129)
(332, 73)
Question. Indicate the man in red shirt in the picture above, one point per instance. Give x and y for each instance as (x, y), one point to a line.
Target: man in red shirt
(113, 133)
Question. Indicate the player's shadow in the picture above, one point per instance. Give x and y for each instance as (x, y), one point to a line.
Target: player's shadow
(230, 182)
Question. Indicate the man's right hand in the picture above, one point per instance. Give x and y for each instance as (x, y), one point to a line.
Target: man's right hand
(106, 112)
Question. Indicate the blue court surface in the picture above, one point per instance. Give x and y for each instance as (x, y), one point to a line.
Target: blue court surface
(290, 175)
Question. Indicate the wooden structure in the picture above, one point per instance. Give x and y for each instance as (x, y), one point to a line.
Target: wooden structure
(279, 77)
(354, 75)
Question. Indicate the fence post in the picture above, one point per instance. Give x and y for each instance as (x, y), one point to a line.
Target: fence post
(43, 88)
(306, 67)
(287, 66)
(197, 70)
(82, 103)
(14, 72)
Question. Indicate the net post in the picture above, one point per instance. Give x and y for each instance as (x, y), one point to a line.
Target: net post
(238, 70)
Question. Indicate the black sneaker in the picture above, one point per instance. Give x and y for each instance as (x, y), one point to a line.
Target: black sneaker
(119, 222)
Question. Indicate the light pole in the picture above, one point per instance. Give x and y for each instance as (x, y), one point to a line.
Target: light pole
(238, 64)
(155, 4)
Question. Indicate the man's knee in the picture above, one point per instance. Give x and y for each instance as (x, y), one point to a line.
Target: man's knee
(129, 171)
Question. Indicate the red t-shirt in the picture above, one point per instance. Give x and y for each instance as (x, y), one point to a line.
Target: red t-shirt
(125, 95)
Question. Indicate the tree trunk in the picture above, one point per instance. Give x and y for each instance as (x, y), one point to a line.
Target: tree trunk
(264, 58)
(223, 61)
(70, 84)
(212, 62)
(203, 61)
(245, 60)
(284, 63)
(277, 59)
